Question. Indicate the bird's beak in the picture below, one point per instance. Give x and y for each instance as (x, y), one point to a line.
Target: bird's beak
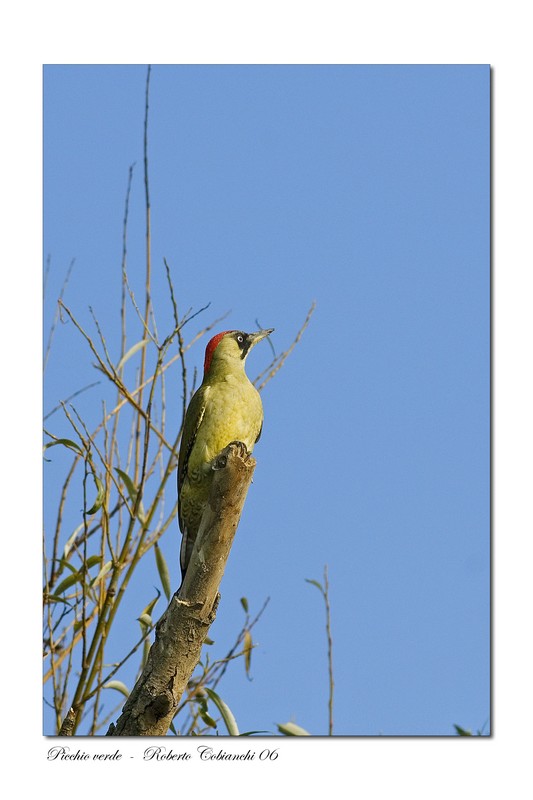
(253, 338)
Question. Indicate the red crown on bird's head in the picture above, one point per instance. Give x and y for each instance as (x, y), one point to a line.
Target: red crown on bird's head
(210, 349)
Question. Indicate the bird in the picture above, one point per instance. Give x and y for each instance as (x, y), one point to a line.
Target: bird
(225, 408)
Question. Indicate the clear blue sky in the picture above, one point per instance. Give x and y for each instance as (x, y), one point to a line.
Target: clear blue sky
(365, 189)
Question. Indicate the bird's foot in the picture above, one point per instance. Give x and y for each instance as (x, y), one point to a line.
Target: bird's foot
(222, 459)
(242, 450)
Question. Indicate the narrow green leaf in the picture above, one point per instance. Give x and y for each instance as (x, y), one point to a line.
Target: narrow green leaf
(248, 647)
(291, 729)
(92, 560)
(119, 686)
(132, 492)
(71, 540)
(461, 731)
(131, 352)
(54, 598)
(146, 652)
(63, 563)
(316, 583)
(244, 603)
(207, 719)
(103, 572)
(162, 568)
(100, 494)
(69, 581)
(128, 483)
(151, 605)
(227, 715)
(66, 443)
(145, 620)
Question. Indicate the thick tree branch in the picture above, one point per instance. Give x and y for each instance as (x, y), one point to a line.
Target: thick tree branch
(181, 631)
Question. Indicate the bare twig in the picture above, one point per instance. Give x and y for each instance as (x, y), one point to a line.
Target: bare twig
(113, 376)
(120, 664)
(278, 361)
(71, 397)
(222, 663)
(46, 274)
(330, 649)
(324, 590)
(124, 262)
(58, 307)
(148, 278)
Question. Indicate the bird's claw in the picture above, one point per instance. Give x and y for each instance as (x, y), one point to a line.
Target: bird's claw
(220, 462)
(241, 448)
(222, 459)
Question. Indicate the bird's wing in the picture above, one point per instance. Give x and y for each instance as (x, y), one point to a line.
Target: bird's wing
(193, 420)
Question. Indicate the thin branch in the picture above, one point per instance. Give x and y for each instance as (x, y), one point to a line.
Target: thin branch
(172, 298)
(144, 322)
(111, 375)
(121, 663)
(148, 278)
(278, 362)
(108, 471)
(115, 379)
(56, 315)
(181, 343)
(216, 678)
(56, 662)
(260, 327)
(71, 397)
(330, 650)
(102, 340)
(324, 590)
(124, 262)
(55, 546)
(46, 274)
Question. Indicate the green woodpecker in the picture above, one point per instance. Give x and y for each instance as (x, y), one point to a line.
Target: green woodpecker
(226, 408)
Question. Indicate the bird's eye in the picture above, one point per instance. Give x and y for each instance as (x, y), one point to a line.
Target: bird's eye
(240, 338)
